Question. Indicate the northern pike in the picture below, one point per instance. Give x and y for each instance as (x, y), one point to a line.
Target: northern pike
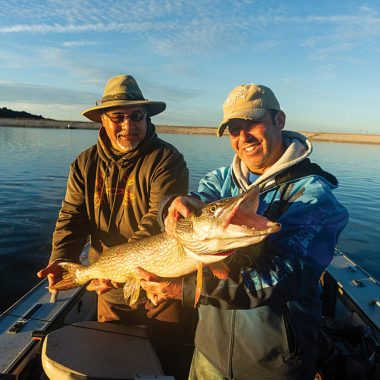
(206, 237)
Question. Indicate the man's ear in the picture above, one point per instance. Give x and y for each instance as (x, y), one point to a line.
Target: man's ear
(280, 119)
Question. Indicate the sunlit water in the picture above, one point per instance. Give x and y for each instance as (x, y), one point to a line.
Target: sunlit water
(34, 166)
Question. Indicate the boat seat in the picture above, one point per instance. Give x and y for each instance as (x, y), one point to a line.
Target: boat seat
(93, 350)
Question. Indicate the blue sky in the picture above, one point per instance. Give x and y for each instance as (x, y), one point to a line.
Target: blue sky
(321, 58)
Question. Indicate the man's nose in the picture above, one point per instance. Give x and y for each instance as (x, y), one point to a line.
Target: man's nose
(127, 123)
(243, 136)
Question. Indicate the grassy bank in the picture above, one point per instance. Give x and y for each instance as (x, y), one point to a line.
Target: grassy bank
(314, 136)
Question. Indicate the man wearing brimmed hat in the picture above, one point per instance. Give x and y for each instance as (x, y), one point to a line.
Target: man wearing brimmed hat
(113, 192)
(262, 322)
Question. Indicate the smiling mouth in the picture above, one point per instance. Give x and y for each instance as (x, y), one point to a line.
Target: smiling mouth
(251, 148)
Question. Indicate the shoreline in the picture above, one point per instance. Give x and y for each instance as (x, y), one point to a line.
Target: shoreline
(61, 124)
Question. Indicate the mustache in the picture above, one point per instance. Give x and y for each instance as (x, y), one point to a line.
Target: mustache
(124, 134)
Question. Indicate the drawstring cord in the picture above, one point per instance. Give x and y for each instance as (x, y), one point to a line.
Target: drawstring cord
(112, 205)
(111, 197)
(102, 192)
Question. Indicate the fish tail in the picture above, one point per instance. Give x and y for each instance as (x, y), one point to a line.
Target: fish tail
(69, 277)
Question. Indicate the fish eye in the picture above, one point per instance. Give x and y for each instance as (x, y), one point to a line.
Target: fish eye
(213, 208)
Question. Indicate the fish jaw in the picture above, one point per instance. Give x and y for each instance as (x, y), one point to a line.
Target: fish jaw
(208, 259)
(226, 225)
(235, 236)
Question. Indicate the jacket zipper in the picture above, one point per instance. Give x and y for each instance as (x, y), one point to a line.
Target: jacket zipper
(290, 335)
(229, 363)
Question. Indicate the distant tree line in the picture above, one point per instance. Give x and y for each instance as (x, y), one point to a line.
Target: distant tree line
(7, 113)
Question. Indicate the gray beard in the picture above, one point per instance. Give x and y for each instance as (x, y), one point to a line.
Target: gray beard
(128, 147)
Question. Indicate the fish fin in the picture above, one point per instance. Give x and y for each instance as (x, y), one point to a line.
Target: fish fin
(220, 270)
(69, 280)
(94, 285)
(131, 290)
(198, 286)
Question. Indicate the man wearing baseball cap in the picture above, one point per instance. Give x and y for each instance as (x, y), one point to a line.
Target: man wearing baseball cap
(262, 322)
(113, 192)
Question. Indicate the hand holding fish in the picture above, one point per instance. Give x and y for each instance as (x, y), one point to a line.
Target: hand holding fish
(160, 289)
(54, 274)
(180, 206)
(103, 285)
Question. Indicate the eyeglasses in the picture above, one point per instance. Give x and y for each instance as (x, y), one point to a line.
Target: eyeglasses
(119, 118)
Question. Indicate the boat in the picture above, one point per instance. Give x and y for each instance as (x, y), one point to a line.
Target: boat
(42, 337)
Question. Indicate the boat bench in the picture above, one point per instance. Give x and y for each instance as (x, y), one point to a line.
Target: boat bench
(93, 350)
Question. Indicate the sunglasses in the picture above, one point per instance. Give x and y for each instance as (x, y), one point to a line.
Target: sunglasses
(235, 128)
(119, 118)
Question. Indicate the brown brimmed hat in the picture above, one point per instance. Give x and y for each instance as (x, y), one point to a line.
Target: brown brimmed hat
(248, 102)
(120, 91)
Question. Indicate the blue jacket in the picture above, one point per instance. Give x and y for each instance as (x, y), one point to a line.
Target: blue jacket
(262, 322)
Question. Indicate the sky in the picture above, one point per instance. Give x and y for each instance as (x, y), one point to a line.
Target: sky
(321, 58)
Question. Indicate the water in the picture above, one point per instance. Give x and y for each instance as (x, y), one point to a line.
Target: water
(34, 165)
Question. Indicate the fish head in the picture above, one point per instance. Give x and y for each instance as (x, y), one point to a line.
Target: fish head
(221, 227)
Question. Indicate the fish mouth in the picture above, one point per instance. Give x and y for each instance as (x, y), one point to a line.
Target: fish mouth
(241, 215)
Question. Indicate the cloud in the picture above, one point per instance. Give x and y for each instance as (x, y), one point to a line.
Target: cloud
(159, 91)
(168, 27)
(79, 43)
(79, 28)
(204, 29)
(42, 99)
(324, 52)
(40, 94)
(76, 65)
(85, 73)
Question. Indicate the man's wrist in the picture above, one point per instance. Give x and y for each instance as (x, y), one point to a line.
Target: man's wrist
(163, 208)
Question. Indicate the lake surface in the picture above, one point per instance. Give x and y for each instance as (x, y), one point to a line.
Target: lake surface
(34, 165)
